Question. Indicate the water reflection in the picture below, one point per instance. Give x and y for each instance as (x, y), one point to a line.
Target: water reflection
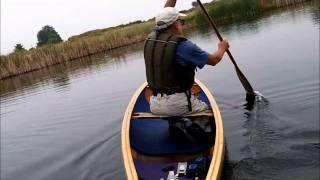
(59, 75)
(61, 82)
(120, 54)
(315, 13)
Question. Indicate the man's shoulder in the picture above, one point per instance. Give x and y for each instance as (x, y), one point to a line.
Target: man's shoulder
(189, 53)
(188, 46)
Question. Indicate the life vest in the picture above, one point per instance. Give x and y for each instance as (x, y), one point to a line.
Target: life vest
(163, 72)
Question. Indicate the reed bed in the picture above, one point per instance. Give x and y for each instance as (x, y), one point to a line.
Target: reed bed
(26, 61)
(107, 39)
(225, 10)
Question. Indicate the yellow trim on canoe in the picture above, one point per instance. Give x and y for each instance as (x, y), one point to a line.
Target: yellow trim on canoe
(216, 166)
(125, 139)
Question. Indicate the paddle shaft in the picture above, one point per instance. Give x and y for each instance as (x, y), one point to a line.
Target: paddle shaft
(245, 83)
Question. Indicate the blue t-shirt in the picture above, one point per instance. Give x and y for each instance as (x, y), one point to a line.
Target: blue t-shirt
(189, 53)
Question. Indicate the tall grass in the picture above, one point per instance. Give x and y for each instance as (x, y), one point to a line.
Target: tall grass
(88, 44)
(101, 40)
(225, 10)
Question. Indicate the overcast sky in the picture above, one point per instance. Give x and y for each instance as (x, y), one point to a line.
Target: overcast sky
(22, 19)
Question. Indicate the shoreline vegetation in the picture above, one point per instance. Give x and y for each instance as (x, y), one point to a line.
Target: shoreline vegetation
(103, 40)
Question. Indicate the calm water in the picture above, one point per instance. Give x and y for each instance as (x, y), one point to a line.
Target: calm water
(63, 123)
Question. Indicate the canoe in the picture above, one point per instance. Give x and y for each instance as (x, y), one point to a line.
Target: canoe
(152, 151)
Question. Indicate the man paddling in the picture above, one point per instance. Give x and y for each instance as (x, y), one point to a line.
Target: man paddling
(171, 61)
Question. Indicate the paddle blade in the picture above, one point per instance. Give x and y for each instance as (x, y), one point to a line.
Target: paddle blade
(244, 81)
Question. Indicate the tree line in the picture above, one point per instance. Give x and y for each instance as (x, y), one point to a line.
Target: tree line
(47, 35)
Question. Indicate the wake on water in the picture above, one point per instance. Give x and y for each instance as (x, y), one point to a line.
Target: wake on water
(259, 97)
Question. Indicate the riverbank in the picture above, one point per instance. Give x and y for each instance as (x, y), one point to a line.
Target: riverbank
(107, 39)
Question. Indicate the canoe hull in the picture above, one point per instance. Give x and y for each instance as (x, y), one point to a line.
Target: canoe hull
(134, 160)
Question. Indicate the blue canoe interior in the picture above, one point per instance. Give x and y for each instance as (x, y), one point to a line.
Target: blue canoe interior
(156, 151)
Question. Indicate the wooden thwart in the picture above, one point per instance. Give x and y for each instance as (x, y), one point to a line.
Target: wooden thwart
(137, 115)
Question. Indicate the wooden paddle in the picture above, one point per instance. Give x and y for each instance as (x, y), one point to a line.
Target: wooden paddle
(245, 83)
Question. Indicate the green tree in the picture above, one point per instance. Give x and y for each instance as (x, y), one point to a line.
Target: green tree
(19, 48)
(48, 35)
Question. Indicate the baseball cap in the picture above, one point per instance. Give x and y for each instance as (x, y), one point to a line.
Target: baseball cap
(167, 16)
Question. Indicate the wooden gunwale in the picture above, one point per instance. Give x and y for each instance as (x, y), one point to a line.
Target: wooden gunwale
(125, 139)
(216, 165)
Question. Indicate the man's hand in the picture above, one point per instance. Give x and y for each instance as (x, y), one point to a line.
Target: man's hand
(224, 45)
(170, 3)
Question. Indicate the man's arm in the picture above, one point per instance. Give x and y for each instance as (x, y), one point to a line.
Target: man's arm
(170, 3)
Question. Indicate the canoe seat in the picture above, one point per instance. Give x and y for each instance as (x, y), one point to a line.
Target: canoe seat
(151, 136)
(137, 115)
